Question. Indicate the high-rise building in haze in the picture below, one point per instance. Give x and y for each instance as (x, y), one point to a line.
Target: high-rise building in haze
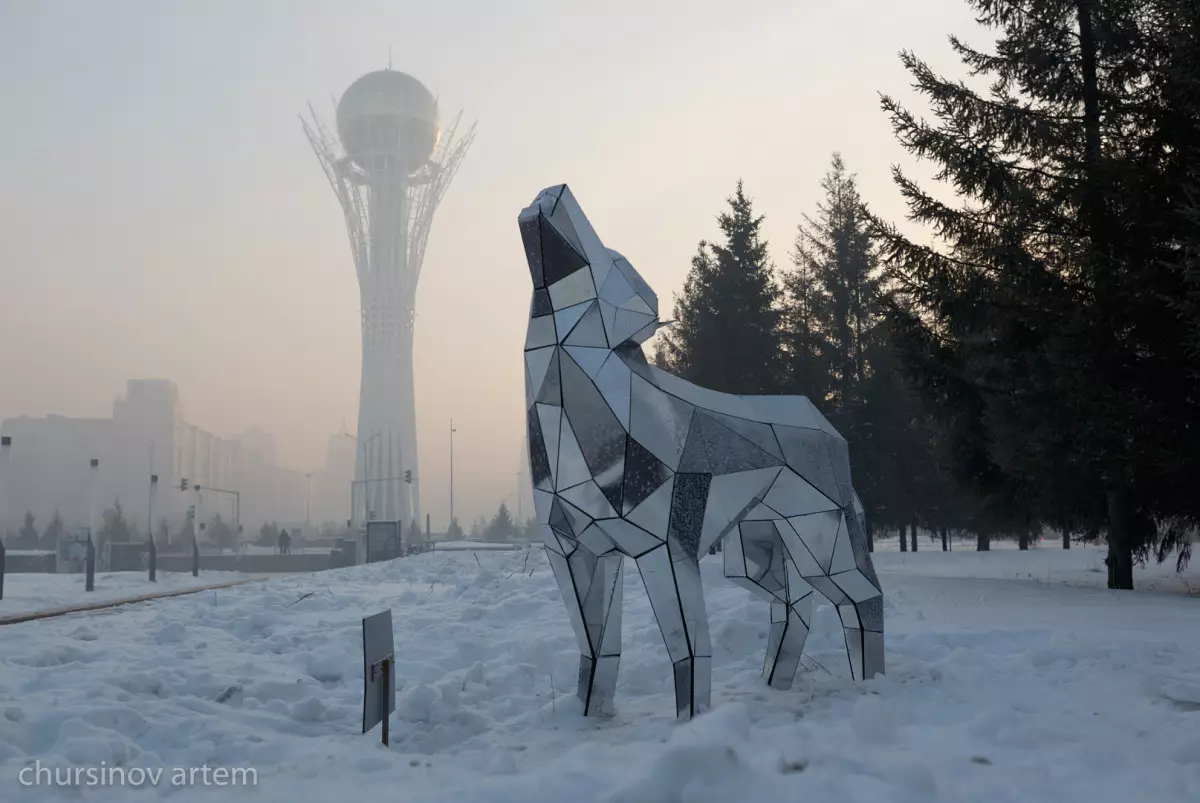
(389, 165)
(146, 435)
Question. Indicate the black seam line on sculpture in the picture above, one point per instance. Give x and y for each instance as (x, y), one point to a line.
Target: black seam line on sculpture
(745, 565)
(679, 601)
(803, 597)
(855, 673)
(627, 354)
(625, 474)
(560, 341)
(606, 402)
(612, 596)
(544, 221)
(592, 659)
(834, 577)
(628, 387)
(832, 501)
(568, 503)
(600, 310)
(774, 437)
(653, 323)
(787, 621)
(805, 543)
(691, 668)
(788, 550)
(739, 517)
(704, 441)
(579, 603)
(558, 451)
(725, 419)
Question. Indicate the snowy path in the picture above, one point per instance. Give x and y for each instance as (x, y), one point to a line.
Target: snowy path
(25, 593)
(998, 691)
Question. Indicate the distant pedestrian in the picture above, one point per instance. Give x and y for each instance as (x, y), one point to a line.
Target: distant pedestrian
(285, 543)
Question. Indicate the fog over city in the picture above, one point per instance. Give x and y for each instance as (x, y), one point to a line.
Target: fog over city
(163, 215)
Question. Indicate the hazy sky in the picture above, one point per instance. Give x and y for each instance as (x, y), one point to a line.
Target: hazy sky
(162, 215)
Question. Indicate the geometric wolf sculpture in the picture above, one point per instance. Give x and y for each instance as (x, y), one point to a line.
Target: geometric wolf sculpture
(628, 460)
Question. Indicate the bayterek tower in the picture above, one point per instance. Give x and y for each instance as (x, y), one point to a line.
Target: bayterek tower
(389, 165)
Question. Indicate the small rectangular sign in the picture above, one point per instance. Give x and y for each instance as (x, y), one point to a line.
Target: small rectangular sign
(383, 540)
(379, 669)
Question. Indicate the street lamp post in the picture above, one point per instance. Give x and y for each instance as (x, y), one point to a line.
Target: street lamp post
(520, 503)
(150, 507)
(307, 502)
(5, 452)
(93, 532)
(450, 523)
(150, 496)
(363, 444)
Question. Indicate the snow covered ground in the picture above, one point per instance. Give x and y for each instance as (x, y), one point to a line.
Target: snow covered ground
(998, 690)
(24, 593)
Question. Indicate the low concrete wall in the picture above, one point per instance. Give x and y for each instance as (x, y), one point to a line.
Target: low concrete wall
(17, 563)
(249, 564)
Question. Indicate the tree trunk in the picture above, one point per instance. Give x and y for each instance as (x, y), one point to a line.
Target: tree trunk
(1066, 534)
(913, 530)
(1023, 540)
(870, 528)
(903, 538)
(983, 542)
(1094, 215)
(1120, 541)
(945, 539)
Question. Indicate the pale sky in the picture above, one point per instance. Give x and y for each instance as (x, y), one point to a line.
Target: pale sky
(162, 215)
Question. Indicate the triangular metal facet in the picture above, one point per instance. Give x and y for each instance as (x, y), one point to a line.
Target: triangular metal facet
(589, 331)
(565, 319)
(559, 257)
(551, 392)
(591, 360)
(572, 468)
(536, 363)
(550, 416)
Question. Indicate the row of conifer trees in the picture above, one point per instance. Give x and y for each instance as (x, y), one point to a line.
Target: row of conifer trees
(1031, 361)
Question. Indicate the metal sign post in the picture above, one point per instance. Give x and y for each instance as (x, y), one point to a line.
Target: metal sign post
(153, 559)
(379, 672)
(1, 570)
(195, 557)
(91, 565)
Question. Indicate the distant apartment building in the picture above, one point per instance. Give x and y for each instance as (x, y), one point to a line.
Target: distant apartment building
(147, 434)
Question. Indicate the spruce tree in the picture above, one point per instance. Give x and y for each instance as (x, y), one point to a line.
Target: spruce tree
(833, 292)
(49, 539)
(727, 335)
(220, 534)
(501, 527)
(27, 536)
(116, 526)
(1043, 330)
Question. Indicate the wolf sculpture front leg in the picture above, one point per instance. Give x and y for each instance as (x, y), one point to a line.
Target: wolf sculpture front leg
(672, 580)
(592, 589)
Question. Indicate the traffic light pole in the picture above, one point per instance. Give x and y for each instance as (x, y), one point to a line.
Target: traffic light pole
(407, 478)
(237, 505)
